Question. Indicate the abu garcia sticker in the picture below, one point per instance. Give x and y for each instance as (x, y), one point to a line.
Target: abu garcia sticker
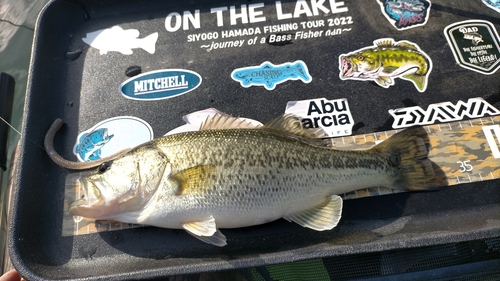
(110, 136)
(269, 75)
(385, 61)
(333, 116)
(475, 45)
(404, 14)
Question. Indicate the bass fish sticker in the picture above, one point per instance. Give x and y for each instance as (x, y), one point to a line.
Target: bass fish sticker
(160, 84)
(110, 136)
(385, 61)
(116, 39)
(475, 45)
(404, 14)
(269, 75)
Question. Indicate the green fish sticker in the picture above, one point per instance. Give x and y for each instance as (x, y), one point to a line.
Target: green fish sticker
(385, 61)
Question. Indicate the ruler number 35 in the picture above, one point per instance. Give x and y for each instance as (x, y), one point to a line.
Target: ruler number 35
(465, 166)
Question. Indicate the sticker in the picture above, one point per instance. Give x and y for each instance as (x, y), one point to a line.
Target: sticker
(475, 45)
(269, 75)
(405, 14)
(493, 4)
(160, 84)
(195, 119)
(334, 116)
(386, 60)
(110, 136)
(441, 112)
(116, 39)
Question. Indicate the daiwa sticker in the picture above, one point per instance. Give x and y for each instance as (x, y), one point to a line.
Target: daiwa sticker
(269, 75)
(404, 14)
(111, 136)
(333, 116)
(441, 112)
(475, 45)
(493, 4)
(385, 61)
(116, 39)
(160, 84)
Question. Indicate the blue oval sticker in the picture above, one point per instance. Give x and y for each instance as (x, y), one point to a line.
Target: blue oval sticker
(160, 84)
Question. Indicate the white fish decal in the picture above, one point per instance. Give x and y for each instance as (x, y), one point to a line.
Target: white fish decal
(116, 39)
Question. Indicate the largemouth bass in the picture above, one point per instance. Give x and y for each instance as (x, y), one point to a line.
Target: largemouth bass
(385, 61)
(231, 174)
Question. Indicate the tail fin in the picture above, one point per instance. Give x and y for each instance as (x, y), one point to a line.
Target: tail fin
(407, 151)
(149, 43)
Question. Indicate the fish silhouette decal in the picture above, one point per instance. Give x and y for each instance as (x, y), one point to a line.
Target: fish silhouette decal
(116, 39)
(269, 75)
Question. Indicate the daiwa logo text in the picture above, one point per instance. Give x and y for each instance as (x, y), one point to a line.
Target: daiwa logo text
(441, 112)
(160, 84)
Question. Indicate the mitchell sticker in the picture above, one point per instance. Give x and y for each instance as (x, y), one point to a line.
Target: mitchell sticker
(116, 39)
(385, 61)
(160, 84)
(404, 14)
(441, 112)
(475, 45)
(334, 116)
(493, 4)
(111, 136)
(269, 75)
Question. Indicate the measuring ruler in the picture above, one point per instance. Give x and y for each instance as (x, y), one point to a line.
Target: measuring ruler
(467, 151)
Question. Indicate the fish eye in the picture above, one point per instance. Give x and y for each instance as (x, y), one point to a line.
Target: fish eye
(104, 167)
(361, 58)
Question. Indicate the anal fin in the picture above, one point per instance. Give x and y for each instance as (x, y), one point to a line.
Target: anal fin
(322, 217)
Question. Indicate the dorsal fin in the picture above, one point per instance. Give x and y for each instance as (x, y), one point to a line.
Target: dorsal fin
(223, 121)
(407, 45)
(385, 43)
(291, 124)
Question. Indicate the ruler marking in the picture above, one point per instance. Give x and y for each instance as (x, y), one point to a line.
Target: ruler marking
(469, 178)
(458, 180)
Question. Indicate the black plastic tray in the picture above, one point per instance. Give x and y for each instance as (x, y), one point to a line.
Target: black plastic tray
(70, 80)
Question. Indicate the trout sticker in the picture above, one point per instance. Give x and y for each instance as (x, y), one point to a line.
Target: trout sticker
(111, 136)
(160, 84)
(493, 4)
(404, 14)
(269, 75)
(116, 39)
(333, 116)
(385, 61)
(475, 45)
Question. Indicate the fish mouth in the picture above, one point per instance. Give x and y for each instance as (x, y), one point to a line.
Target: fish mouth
(88, 204)
(347, 68)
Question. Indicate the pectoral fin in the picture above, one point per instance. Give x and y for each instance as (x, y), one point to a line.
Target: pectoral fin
(384, 81)
(322, 217)
(193, 179)
(206, 231)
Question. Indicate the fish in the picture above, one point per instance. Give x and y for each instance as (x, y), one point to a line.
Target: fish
(385, 61)
(232, 174)
(90, 144)
(268, 74)
(117, 39)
